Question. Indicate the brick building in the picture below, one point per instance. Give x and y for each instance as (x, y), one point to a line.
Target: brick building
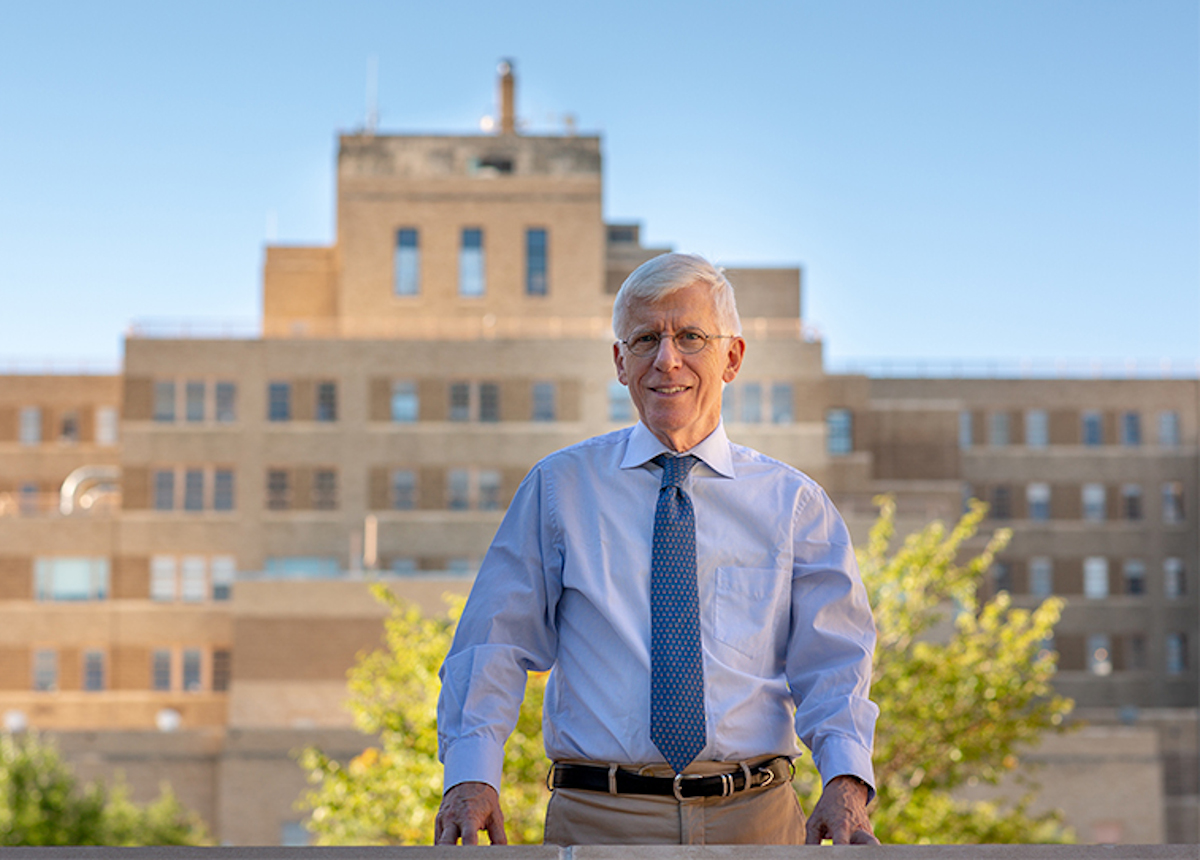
(184, 546)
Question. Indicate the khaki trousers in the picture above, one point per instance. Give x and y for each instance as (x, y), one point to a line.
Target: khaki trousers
(760, 816)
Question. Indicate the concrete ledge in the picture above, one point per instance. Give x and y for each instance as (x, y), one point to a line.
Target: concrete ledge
(621, 852)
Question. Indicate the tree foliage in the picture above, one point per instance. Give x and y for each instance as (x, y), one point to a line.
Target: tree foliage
(389, 794)
(43, 803)
(961, 688)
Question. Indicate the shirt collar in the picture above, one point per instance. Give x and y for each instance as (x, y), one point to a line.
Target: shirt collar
(642, 446)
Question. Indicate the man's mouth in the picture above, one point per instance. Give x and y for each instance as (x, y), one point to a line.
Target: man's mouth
(671, 389)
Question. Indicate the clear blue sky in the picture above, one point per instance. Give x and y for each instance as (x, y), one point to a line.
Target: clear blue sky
(957, 179)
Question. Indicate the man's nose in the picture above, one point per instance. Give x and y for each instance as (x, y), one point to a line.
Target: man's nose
(668, 354)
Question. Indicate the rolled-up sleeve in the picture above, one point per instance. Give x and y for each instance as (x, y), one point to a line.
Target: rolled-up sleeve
(506, 630)
(831, 643)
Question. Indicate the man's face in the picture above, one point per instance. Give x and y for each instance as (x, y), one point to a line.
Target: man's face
(678, 396)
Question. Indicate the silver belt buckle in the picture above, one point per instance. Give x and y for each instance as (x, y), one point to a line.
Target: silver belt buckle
(678, 782)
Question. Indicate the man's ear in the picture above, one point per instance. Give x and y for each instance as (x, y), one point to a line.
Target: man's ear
(619, 361)
(733, 359)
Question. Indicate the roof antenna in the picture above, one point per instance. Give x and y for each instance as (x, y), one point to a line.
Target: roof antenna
(372, 94)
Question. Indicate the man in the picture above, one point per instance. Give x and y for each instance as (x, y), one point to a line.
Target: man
(699, 605)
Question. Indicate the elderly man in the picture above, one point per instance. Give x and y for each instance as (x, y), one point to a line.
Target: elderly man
(698, 603)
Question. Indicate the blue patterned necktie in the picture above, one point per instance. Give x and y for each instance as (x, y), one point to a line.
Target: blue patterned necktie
(676, 668)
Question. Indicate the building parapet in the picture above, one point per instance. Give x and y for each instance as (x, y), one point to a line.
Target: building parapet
(487, 327)
(1027, 368)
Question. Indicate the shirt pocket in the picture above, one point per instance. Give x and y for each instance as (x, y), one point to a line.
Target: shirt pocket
(746, 604)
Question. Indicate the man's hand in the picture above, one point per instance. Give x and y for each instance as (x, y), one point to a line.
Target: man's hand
(841, 815)
(466, 809)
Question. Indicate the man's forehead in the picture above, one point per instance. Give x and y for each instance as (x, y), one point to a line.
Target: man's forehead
(691, 306)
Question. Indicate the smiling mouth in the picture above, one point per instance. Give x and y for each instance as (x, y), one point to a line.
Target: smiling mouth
(671, 389)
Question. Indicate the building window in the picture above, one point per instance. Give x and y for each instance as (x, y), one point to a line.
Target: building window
(1131, 501)
(164, 489)
(1001, 503)
(226, 397)
(1174, 582)
(544, 407)
(325, 490)
(1041, 576)
(781, 403)
(405, 403)
(1134, 572)
(408, 262)
(193, 490)
(535, 262)
(620, 407)
(71, 578)
(839, 432)
(279, 497)
(162, 578)
(192, 661)
(1037, 498)
(106, 425)
(1002, 576)
(489, 490)
(965, 430)
(1093, 502)
(403, 565)
(326, 401)
(30, 432)
(1172, 502)
(1037, 428)
(403, 489)
(93, 670)
(193, 410)
(1095, 577)
(193, 579)
(460, 401)
(1137, 651)
(302, 567)
(1168, 429)
(998, 434)
(471, 281)
(1093, 429)
(1099, 654)
(160, 669)
(45, 670)
(164, 401)
(489, 401)
(223, 490)
(1177, 656)
(279, 401)
(224, 569)
(458, 489)
(750, 398)
(222, 670)
(1131, 429)
(68, 430)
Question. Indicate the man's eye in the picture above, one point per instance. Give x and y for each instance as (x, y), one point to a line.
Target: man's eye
(690, 336)
(646, 338)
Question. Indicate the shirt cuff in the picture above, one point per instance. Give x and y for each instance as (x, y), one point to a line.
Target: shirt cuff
(841, 756)
(473, 760)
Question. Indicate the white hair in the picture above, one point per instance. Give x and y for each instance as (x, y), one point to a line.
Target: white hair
(661, 276)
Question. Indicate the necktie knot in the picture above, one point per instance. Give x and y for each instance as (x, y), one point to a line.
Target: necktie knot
(675, 469)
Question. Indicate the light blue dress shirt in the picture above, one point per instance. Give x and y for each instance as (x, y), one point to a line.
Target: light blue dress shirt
(786, 630)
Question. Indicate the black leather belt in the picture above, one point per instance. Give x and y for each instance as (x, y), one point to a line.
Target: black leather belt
(617, 780)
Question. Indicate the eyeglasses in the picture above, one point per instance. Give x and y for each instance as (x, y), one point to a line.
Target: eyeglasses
(689, 341)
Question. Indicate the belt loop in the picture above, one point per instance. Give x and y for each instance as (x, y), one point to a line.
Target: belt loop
(746, 772)
(550, 776)
(612, 778)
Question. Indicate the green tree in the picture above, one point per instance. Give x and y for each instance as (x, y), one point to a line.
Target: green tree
(43, 803)
(961, 689)
(389, 794)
